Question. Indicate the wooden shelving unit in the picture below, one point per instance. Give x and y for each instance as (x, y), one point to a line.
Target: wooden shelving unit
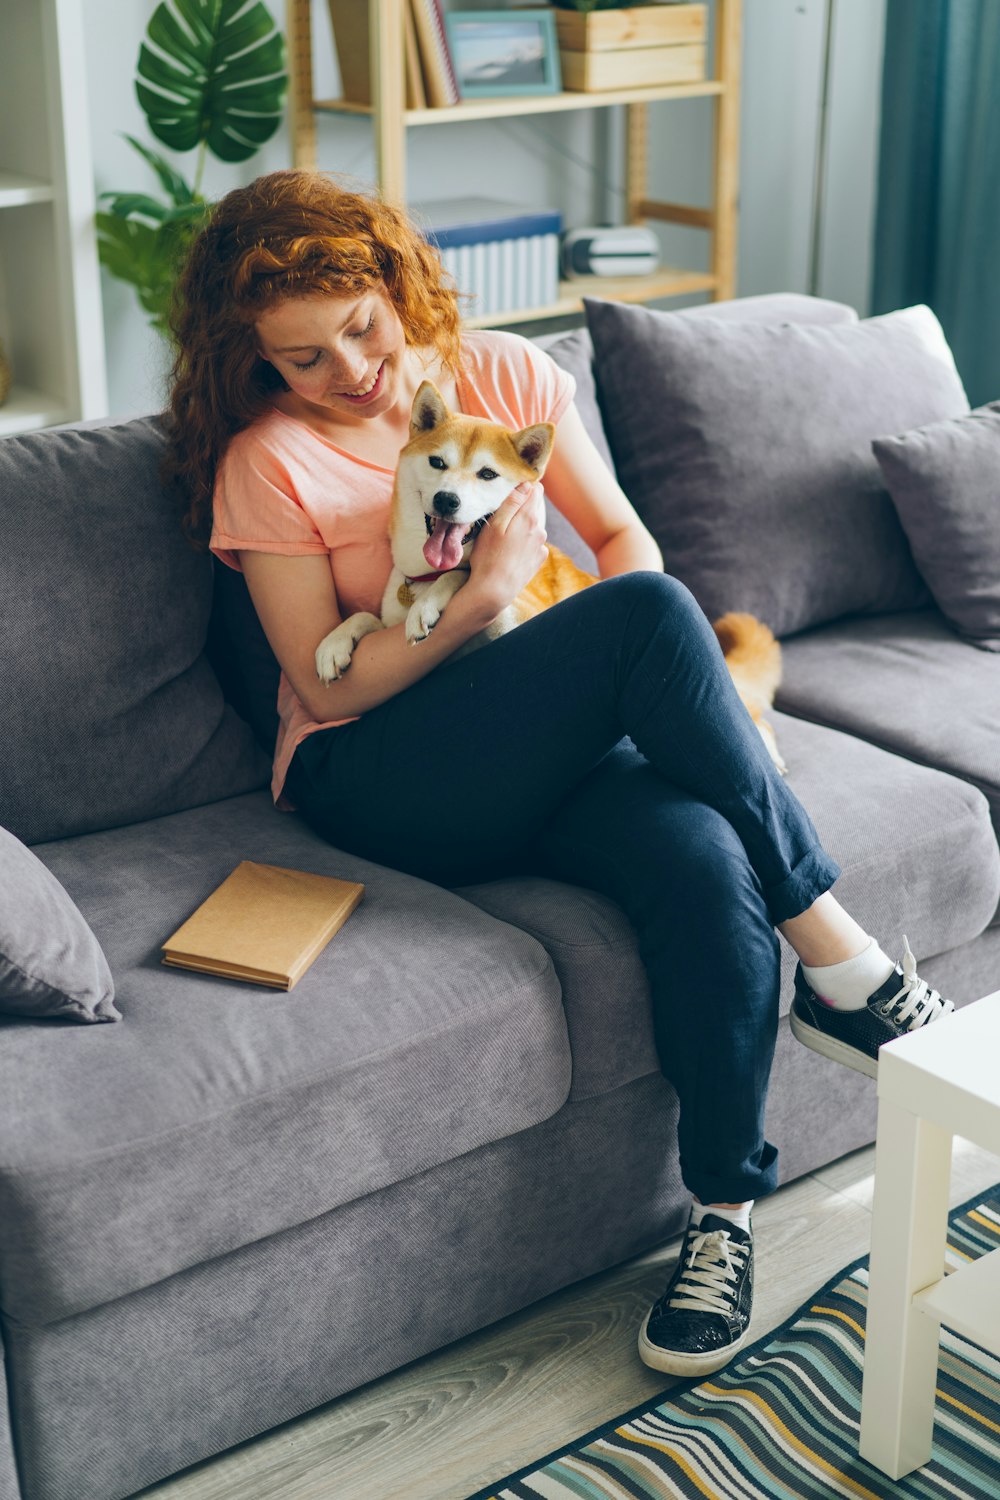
(50, 300)
(392, 122)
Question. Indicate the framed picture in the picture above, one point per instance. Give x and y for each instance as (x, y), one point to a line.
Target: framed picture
(500, 52)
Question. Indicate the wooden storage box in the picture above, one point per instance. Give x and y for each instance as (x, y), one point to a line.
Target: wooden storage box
(638, 47)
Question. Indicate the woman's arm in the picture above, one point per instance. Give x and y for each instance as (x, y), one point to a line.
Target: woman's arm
(296, 602)
(581, 486)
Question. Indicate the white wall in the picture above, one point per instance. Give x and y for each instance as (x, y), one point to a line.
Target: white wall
(559, 160)
(782, 88)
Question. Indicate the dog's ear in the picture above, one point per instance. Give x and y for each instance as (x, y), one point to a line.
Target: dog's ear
(534, 444)
(428, 410)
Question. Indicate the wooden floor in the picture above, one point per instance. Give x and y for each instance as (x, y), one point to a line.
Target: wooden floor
(451, 1423)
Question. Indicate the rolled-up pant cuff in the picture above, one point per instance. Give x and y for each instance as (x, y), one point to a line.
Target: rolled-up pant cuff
(753, 1181)
(814, 874)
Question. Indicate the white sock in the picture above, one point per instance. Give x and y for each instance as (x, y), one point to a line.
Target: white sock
(740, 1216)
(847, 986)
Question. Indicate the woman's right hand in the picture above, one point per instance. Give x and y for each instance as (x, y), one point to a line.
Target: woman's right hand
(510, 549)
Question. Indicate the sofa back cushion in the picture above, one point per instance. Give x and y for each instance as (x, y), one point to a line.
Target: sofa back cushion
(112, 712)
(746, 449)
(574, 352)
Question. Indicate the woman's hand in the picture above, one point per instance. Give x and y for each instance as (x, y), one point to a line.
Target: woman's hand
(510, 549)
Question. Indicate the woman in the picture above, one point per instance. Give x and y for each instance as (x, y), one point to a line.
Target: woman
(601, 743)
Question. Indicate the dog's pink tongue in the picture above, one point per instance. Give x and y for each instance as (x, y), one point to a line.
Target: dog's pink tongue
(443, 549)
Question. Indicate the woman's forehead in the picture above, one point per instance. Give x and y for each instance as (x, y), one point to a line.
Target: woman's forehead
(330, 312)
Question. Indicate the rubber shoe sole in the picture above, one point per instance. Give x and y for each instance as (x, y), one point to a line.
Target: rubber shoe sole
(672, 1362)
(830, 1047)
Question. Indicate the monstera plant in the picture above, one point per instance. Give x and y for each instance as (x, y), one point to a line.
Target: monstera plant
(211, 77)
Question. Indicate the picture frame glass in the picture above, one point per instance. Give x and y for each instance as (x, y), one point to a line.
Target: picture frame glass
(501, 52)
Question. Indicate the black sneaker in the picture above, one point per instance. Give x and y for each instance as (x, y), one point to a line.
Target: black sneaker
(703, 1315)
(904, 1003)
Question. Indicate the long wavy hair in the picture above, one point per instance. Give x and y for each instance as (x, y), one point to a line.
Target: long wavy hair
(287, 234)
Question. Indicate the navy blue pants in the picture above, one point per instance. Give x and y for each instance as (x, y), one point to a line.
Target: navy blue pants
(604, 744)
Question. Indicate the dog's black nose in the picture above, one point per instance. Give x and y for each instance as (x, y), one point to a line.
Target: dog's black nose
(445, 503)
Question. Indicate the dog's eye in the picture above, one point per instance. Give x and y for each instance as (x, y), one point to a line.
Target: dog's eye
(487, 474)
(437, 463)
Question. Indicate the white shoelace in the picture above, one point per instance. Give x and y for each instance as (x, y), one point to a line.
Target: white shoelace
(915, 1002)
(714, 1260)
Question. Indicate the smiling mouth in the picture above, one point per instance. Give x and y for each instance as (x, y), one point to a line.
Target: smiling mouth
(364, 391)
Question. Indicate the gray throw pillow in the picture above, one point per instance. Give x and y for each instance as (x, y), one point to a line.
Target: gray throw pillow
(51, 964)
(945, 484)
(746, 450)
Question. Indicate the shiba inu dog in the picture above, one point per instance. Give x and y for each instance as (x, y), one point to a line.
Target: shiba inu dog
(454, 472)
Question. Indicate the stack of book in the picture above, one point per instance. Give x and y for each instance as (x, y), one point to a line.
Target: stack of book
(430, 75)
(506, 257)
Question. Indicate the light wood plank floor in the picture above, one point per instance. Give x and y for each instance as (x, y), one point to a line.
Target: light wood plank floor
(446, 1425)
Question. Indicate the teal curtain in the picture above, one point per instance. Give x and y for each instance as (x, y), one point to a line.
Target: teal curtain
(937, 236)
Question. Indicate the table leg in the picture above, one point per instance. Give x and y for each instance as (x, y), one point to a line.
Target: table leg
(909, 1226)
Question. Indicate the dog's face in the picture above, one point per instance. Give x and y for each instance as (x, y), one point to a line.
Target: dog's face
(454, 473)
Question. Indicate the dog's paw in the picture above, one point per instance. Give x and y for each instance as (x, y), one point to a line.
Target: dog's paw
(333, 655)
(334, 652)
(421, 619)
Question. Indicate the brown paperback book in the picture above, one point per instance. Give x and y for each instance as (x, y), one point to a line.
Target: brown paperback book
(352, 43)
(263, 924)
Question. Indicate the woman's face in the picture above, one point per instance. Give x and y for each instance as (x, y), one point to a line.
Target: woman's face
(345, 354)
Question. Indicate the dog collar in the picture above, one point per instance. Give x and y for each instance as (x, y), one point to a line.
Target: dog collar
(428, 577)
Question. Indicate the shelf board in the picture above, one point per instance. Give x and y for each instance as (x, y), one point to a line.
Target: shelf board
(959, 1300)
(667, 282)
(491, 109)
(26, 410)
(16, 189)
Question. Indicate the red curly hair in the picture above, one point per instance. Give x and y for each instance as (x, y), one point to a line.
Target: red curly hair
(287, 234)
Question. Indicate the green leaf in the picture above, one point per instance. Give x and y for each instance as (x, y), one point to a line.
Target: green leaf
(122, 205)
(208, 66)
(149, 257)
(173, 183)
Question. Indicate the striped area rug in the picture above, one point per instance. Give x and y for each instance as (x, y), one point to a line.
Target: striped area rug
(782, 1421)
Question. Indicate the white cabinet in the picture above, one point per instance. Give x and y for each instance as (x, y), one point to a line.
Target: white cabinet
(50, 299)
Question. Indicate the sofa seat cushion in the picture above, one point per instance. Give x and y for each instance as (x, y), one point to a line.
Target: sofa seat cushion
(917, 853)
(915, 845)
(216, 1112)
(906, 682)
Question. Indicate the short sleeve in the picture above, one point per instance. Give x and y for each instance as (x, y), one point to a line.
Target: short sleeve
(513, 380)
(551, 387)
(255, 507)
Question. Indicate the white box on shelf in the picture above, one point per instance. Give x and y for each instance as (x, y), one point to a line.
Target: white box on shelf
(505, 256)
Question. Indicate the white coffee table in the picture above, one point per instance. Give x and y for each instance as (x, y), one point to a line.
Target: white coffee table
(941, 1081)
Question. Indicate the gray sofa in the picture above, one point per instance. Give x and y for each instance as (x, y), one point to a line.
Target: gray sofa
(236, 1204)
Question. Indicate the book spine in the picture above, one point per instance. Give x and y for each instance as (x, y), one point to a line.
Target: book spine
(416, 96)
(449, 66)
(438, 74)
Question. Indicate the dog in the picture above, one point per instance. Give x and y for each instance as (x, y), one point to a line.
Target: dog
(453, 473)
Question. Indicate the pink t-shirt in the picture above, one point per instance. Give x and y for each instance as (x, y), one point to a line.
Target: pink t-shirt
(281, 487)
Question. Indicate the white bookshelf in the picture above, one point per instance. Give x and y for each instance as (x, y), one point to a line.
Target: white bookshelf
(50, 298)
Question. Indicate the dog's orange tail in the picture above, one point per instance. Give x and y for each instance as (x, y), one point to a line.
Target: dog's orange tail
(752, 653)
